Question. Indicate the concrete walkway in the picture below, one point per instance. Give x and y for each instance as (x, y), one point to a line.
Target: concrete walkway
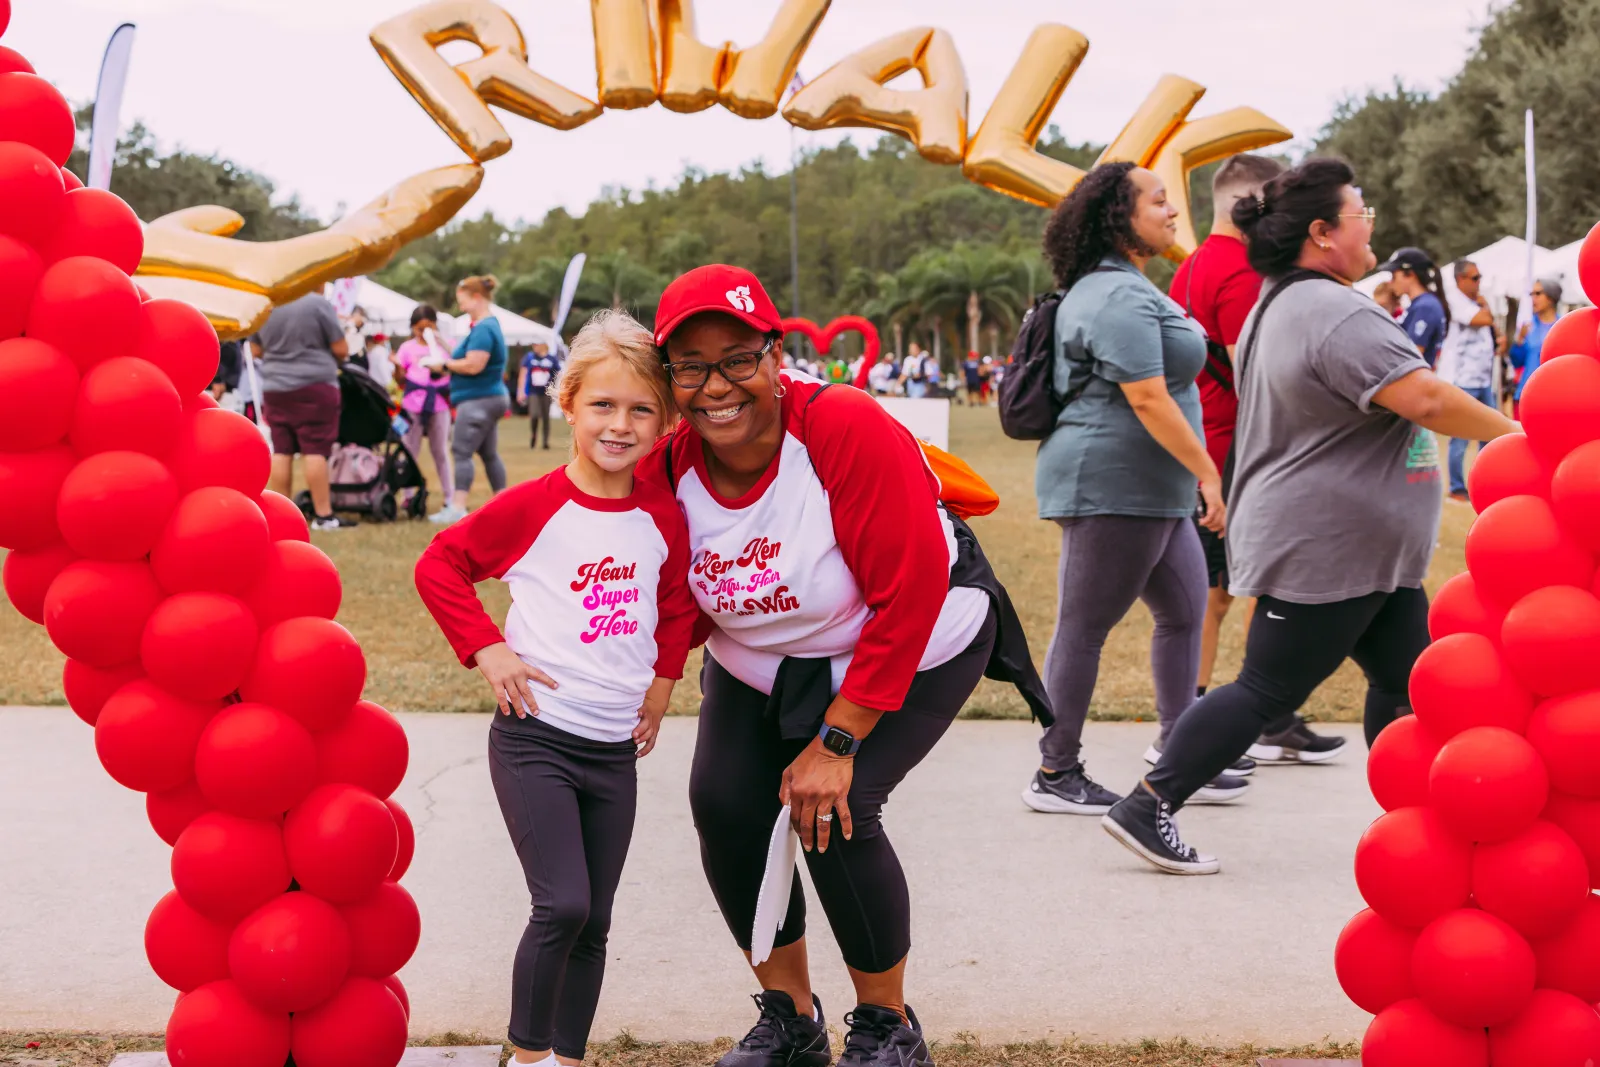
(1026, 925)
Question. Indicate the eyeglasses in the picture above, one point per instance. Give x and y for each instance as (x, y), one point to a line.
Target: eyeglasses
(1471, 278)
(739, 367)
(1369, 214)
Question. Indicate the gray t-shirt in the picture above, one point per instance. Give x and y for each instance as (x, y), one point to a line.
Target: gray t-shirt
(295, 345)
(1113, 327)
(1332, 498)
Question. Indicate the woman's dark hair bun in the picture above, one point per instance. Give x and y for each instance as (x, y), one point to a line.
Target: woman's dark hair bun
(1277, 222)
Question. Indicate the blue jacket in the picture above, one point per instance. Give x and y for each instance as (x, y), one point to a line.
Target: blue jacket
(1526, 352)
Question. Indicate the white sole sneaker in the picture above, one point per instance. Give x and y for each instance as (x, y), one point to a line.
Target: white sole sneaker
(1208, 794)
(1205, 865)
(1277, 754)
(1051, 804)
(1152, 756)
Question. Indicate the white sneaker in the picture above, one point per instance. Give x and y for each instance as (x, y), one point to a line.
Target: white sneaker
(330, 522)
(448, 514)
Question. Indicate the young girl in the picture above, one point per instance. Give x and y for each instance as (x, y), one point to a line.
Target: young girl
(598, 631)
(425, 386)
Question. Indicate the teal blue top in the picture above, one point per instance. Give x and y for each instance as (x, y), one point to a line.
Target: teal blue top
(485, 336)
(1529, 352)
(1114, 327)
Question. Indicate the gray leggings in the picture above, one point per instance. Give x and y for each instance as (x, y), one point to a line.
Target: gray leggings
(478, 433)
(1108, 562)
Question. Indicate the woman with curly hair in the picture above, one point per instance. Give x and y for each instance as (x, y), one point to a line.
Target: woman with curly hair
(1120, 472)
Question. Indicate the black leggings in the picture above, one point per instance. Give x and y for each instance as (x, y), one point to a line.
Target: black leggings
(1292, 649)
(739, 761)
(568, 803)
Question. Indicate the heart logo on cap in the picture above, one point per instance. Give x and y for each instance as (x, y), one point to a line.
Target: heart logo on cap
(740, 299)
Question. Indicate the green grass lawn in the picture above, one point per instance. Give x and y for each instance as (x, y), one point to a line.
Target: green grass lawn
(410, 667)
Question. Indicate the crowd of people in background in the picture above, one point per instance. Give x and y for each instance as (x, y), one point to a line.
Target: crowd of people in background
(917, 375)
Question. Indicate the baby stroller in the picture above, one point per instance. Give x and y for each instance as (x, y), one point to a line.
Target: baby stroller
(370, 466)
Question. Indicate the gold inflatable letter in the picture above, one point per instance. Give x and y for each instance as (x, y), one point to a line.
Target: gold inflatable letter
(458, 96)
(1003, 155)
(624, 53)
(1203, 141)
(1162, 112)
(852, 92)
(748, 82)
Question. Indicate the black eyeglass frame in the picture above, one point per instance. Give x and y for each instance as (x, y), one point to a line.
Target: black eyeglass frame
(720, 366)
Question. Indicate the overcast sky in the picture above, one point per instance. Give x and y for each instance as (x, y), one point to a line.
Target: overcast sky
(292, 88)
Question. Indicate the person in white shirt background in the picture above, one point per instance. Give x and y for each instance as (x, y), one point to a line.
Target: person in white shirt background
(914, 373)
(1468, 355)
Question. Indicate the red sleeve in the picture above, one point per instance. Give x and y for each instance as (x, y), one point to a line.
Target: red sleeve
(484, 545)
(1235, 297)
(676, 610)
(883, 500)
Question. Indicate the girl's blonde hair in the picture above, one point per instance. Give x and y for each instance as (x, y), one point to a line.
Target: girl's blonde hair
(612, 334)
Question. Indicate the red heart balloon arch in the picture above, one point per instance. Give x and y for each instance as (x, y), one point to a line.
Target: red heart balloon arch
(1481, 942)
(198, 624)
(822, 338)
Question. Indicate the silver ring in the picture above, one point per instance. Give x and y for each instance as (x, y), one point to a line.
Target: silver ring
(825, 818)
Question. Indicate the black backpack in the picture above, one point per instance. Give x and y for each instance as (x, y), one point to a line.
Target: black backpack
(1029, 405)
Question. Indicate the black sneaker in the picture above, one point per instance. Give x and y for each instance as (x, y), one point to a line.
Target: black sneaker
(879, 1037)
(1296, 744)
(781, 1037)
(1144, 823)
(1068, 792)
(1243, 767)
(331, 522)
(1223, 789)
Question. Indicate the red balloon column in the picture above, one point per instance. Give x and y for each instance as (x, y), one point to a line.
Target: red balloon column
(1481, 945)
(197, 619)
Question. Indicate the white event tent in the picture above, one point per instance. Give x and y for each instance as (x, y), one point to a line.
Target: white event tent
(1505, 266)
(390, 313)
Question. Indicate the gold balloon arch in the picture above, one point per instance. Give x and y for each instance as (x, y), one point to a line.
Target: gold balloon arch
(648, 52)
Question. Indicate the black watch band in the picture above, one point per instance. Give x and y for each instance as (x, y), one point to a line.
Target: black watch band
(839, 742)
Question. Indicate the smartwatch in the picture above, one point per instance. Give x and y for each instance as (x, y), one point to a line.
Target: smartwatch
(839, 742)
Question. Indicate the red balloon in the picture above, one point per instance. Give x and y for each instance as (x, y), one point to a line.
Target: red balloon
(199, 645)
(1589, 271)
(216, 540)
(126, 405)
(27, 576)
(367, 748)
(1556, 1029)
(298, 579)
(1506, 467)
(255, 761)
(1373, 961)
(85, 307)
(311, 668)
(1411, 869)
(1580, 818)
(408, 840)
(218, 1026)
(1551, 640)
(226, 866)
(33, 112)
(30, 482)
(194, 402)
(20, 271)
(171, 812)
(1560, 405)
(1488, 784)
(146, 737)
(95, 611)
(10, 60)
(1517, 546)
(1472, 969)
(185, 949)
(290, 954)
(399, 991)
(341, 841)
(1575, 494)
(71, 181)
(1576, 333)
(217, 447)
(38, 389)
(5, 15)
(1398, 764)
(384, 930)
(1461, 681)
(180, 340)
(1535, 881)
(97, 223)
(1570, 959)
(1565, 732)
(1407, 1034)
(1458, 609)
(362, 1026)
(88, 688)
(34, 193)
(114, 505)
(284, 517)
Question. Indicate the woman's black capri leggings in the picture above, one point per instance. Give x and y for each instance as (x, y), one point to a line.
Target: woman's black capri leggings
(739, 761)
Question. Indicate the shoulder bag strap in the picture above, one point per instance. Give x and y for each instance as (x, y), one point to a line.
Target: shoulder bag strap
(1266, 302)
(1077, 390)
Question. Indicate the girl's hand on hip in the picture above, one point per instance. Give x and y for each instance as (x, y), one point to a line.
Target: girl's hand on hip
(817, 783)
(651, 712)
(510, 679)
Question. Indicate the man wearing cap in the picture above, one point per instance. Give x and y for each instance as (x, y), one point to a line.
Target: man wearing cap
(850, 616)
(1427, 318)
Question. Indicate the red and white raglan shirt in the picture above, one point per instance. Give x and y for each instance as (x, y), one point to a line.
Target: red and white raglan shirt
(840, 551)
(599, 595)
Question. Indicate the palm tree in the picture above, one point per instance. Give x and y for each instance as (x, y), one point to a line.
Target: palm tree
(981, 284)
(895, 304)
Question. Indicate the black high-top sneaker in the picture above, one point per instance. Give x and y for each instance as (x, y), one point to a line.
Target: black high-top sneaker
(782, 1037)
(878, 1037)
(1145, 824)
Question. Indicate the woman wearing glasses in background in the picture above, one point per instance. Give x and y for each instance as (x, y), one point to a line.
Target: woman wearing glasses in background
(849, 618)
(1529, 349)
(1336, 494)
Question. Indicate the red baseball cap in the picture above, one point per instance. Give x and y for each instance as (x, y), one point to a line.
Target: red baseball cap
(716, 287)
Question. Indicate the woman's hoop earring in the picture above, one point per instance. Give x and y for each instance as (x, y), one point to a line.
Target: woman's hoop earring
(782, 390)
